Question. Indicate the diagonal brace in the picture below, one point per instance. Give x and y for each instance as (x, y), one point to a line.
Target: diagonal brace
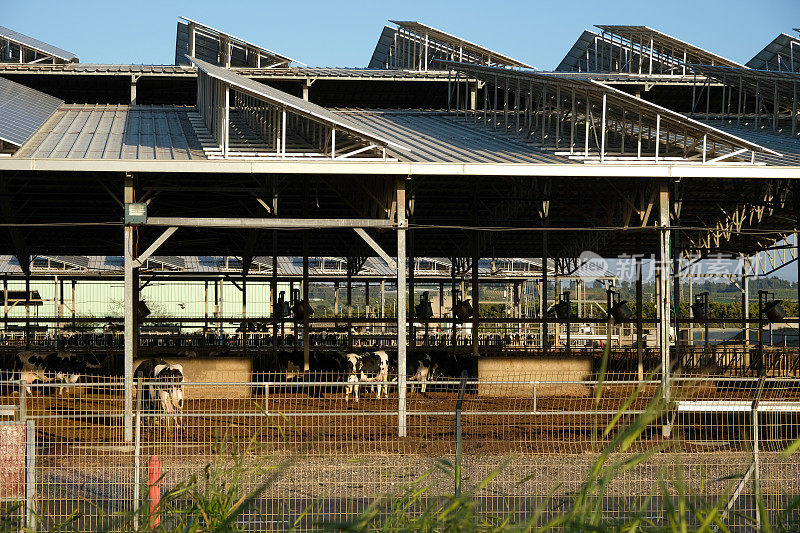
(139, 261)
(375, 246)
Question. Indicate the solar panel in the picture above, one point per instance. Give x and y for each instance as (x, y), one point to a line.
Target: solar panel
(782, 54)
(207, 48)
(23, 111)
(458, 43)
(35, 44)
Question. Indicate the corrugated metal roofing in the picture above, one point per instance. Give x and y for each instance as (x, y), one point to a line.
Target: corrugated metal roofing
(23, 111)
(435, 136)
(295, 104)
(36, 44)
(115, 132)
(261, 73)
(778, 55)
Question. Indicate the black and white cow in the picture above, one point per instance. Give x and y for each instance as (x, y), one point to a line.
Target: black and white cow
(161, 387)
(369, 367)
(58, 367)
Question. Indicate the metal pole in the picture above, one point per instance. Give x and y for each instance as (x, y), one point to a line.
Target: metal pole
(131, 299)
(402, 224)
(639, 329)
(475, 292)
(664, 304)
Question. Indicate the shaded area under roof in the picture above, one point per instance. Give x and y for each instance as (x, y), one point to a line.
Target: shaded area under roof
(115, 132)
(23, 111)
(782, 54)
(36, 45)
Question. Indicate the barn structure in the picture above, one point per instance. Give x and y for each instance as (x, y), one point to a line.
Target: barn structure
(638, 145)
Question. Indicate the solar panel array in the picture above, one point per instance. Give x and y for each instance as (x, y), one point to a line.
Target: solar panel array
(23, 111)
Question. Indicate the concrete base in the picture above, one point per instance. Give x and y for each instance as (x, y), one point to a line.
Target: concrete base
(203, 370)
(562, 368)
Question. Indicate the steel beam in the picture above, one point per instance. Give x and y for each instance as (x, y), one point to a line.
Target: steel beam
(664, 301)
(270, 223)
(402, 224)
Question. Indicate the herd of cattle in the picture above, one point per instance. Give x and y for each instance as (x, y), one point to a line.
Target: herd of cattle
(159, 384)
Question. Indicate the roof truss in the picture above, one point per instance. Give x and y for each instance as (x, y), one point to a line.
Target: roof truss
(417, 46)
(223, 49)
(19, 48)
(635, 50)
(245, 118)
(587, 120)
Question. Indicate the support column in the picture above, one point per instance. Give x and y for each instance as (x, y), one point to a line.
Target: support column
(639, 315)
(401, 307)
(412, 330)
(306, 306)
(664, 302)
(130, 307)
(274, 293)
(746, 308)
(475, 294)
(544, 293)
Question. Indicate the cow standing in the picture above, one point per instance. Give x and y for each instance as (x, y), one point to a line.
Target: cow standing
(161, 388)
(370, 367)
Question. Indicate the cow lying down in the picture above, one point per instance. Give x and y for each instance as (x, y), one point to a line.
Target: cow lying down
(160, 385)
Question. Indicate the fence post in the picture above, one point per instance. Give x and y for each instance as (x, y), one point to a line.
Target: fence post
(462, 385)
(266, 398)
(535, 396)
(23, 401)
(30, 475)
(137, 484)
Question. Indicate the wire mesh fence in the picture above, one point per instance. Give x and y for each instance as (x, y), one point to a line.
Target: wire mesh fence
(317, 455)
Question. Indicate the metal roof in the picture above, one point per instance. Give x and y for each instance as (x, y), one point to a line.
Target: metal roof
(625, 100)
(457, 42)
(36, 44)
(207, 41)
(23, 111)
(782, 54)
(115, 132)
(436, 136)
(323, 267)
(300, 73)
(667, 44)
(294, 104)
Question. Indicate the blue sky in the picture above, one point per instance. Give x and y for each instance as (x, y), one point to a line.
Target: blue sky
(326, 33)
